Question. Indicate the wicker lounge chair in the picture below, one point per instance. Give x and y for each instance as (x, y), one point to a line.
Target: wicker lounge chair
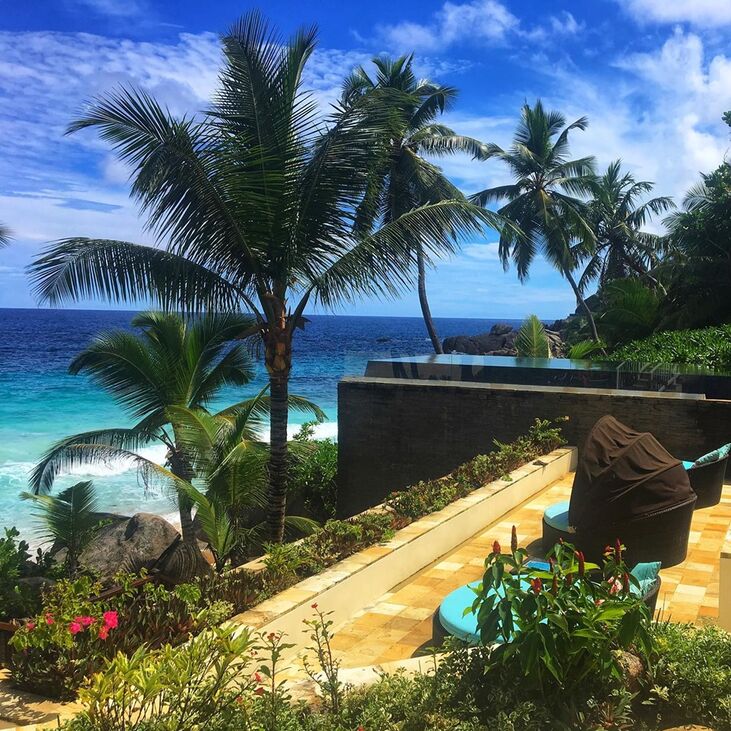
(627, 486)
(707, 474)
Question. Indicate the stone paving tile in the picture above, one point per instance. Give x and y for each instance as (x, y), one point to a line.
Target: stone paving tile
(400, 624)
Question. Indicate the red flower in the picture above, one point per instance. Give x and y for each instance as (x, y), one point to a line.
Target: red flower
(84, 621)
(582, 563)
(614, 586)
(554, 585)
(259, 691)
(314, 606)
(75, 627)
(111, 620)
(608, 550)
(618, 549)
(49, 619)
(496, 548)
(513, 540)
(30, 626)
(271, 636)
(103, 632)
(536, 585)
(625, 582)
(257, 677)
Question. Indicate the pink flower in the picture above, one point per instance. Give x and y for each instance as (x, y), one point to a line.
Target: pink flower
(496, 547)
(111, 620)
(103, 632)
(75, 628)
(30, 626)
(49, 619)
(259, 691)
(257, 677)
(614, 586)
(84, 621)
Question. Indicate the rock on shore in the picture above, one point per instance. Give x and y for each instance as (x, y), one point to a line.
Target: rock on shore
(500, 340)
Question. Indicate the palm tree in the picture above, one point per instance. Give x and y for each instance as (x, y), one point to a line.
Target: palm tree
(617, 218)
(170, 363)
(405, 180)
(542, 200)
(698, 260)
(230, 460)
(70, 520)
(256, 203)
(4, 236)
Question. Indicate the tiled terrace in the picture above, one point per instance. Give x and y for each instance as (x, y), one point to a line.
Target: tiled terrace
(400, 624)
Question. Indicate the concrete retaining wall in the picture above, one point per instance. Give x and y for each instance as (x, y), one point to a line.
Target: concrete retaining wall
(394, 432)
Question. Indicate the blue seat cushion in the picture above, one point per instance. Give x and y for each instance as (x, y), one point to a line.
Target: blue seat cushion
(463, 625)
(557, 516)
(452, 612)
(714, 456)
(647, 574)
(688, 465)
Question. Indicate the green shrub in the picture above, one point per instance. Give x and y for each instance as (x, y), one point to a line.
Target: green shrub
(16, 600)
(75, 632)
(564, 627)
(694, 664)
(432, 495)
(709, 347)
(313, 477)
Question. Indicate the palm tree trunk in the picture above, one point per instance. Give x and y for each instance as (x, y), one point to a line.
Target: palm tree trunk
(181, 468)
(278, 361)
(424, 302)
(581, 302)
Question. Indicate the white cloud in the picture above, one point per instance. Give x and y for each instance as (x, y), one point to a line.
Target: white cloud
(114, 8)
(485, 22)
(703, 13)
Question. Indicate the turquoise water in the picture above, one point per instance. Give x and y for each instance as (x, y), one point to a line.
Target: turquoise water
(41, 403)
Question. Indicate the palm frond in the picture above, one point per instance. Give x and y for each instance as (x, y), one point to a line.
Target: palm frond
(69, 453)
(532, 341)
(119, 271)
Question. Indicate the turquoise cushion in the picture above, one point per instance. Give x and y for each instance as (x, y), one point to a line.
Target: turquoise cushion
(557, 516)
(714, 456)
(464, 626)
(688, 465)
(647, 574)
(453, 618)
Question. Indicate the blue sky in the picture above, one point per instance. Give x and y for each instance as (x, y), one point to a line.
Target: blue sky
(653, 76)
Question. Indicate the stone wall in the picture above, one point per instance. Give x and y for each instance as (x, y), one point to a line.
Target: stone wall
(394, 432)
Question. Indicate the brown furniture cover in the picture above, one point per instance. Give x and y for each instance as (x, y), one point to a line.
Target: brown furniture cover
(624, 475)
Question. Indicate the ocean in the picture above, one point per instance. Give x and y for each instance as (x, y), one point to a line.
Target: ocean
(41, 403)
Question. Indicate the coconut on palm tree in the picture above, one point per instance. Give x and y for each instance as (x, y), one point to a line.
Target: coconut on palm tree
(255, 202)
(169, 363)
(618, 217)
(405, 180)
(543, 201)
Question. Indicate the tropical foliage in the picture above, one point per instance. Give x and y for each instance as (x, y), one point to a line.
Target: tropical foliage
(698, 264)
(532, 341)
(69, 521)
(543, 201)
(169, 363)
(4, 236)
(706, 347)
(404, 180)
(201, 683)
(617, 215)
(257, 202)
